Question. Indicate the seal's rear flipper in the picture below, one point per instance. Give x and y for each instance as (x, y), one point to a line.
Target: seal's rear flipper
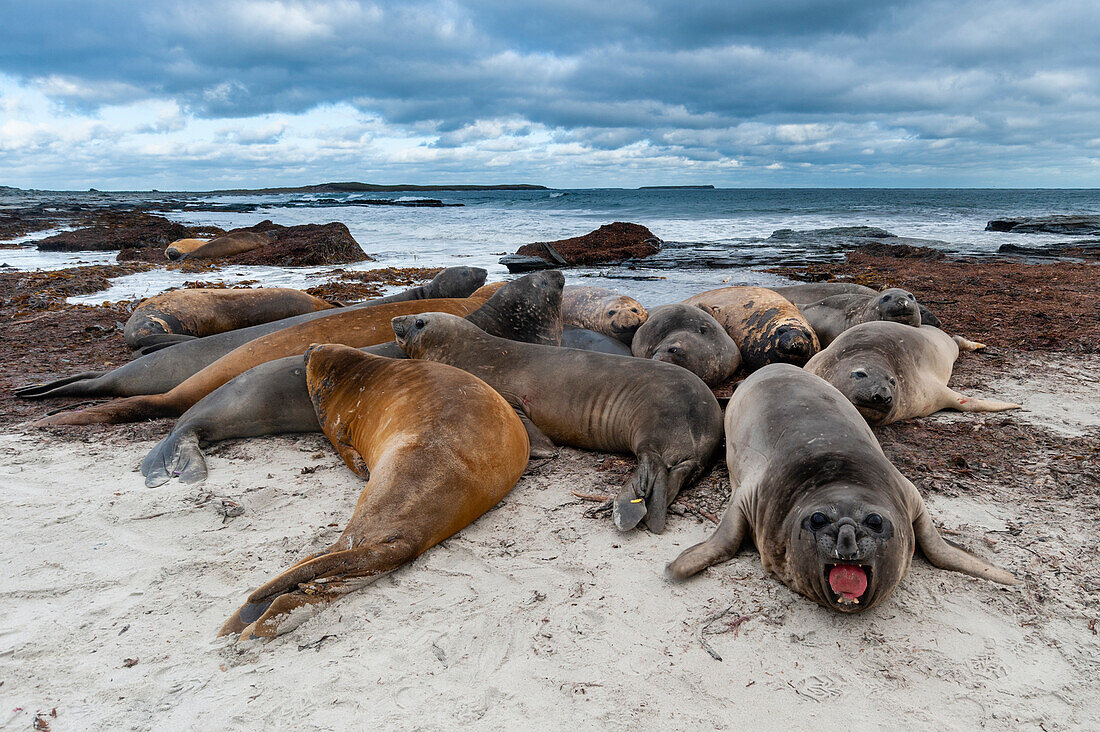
(68, 386)
(955, 400)
(945, 556)
(965, 345)
(177, 455)
(721, 546)
(645, 495)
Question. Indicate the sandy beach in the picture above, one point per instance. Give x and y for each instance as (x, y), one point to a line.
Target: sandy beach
(541, 613)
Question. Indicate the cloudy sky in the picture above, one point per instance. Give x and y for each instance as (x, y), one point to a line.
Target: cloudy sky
(570, 93)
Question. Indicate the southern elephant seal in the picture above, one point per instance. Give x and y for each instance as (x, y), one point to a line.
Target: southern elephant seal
(158, 372)
(602, 310)
(350, 327)
(812, 292)
(272, 397)
(689, 337)
(438, 448)
(831, 516)
(182, 247)
(194, 313)
(892, 372)
(661, 413)
(590, 340)
(235, 242)
(766, 327)
(835, 314)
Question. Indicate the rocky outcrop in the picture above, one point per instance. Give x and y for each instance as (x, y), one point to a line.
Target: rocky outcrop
(1082, 225)
(1083, 249)
(899, 251)
(307, 245)
(124, 230)
(610, 243)
(849, 237)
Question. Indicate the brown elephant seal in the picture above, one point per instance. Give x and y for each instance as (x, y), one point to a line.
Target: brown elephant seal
(438, 448)
(766, 327)
(661, 413)
(831, 516)
(272, 397)
(195, 313)
(690, 338)
(350, 327)
(835, 314)
(892, 372)
(235, 242)
(182, 247)
(602, 310)
(810, 293)
(165, 369)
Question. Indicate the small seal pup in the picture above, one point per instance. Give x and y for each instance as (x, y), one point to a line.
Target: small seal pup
(438, 448)
(766, 327)
(661, 413)
(272, 397)
(690, 338)
(182, 315)
(835, 314)
(602, 310)
(831, 516)
(161, 371)
(892, 372)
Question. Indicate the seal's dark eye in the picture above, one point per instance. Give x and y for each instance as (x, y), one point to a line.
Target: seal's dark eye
(419, 322)
(858, 375)
(886, 298)
(633, 310)
(893, 381)
(818, 521)
(873, 521)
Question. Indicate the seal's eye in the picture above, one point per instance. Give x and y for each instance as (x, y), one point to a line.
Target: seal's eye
(893, 381)
(419, 322)
(818, 521)
(703, 329)
(858, 375)
(886, 298)
(873, 521)
(611, 313)
(633, 310)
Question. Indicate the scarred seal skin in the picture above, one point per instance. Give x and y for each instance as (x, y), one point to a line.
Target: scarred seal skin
(272, 397)
(156, 373)
(835, 314)
(661, 413)
(351, 327)
(687, 336)
(766, 327)
(832, 518)
(892, 372)
(602, 310)
(185, 314)
(438, 448)
(810, 293)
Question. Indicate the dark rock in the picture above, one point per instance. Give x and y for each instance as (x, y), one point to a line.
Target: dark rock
(900, 251)
(1084, 225)
(307, 245)
(609, 243)
(837, 232)
(1084, 249)
(520, 263)
(120, 230)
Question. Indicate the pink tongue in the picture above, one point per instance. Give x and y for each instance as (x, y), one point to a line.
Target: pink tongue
(848, 580)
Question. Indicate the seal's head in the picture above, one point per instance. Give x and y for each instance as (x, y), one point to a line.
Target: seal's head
(416, 334)
(180, 248)
(872, 388)
(794, 344)
(690, 338)
(846, 551)
(898, 306)
(457, 282)
(525, 309)
(624, 315)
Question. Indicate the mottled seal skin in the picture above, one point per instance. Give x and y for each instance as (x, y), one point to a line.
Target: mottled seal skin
(602, 310)
(271, 398)
(687, 336)
(351, 327)
(892, 372)
(813, 292)
(202, 312)
(590, 340)
(236, 242)
(661, 413)
(438, 448)
(182, 247)
(835, 314)
(831, 516)
(163, 370)
(766, 327)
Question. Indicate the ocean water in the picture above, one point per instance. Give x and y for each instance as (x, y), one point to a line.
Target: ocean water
(694, 224)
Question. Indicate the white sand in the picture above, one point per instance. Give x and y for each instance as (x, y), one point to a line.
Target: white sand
(532, 616)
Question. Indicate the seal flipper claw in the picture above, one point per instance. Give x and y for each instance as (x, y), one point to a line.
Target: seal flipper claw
(645, 496)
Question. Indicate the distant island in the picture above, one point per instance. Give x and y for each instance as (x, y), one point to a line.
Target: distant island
(675, 188)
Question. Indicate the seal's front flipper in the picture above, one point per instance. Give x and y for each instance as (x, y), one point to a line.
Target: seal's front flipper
(927, 317)
(946, 556)
(177, 455)
(68, 386)
(541, 445)
(721, 546)
(644, 496)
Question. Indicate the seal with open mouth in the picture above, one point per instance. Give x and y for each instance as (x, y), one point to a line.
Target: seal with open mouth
(832, 517)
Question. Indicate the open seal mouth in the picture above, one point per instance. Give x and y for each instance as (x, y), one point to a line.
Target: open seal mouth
(847, 583)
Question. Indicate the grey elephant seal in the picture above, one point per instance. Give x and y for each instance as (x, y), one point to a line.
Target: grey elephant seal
(661, 413)
(831, 516)
(271, 398)
(602, 310)
(690, 338)
(590, 340)
(835, 314)
(431, 472)
(813, 292)
(166, 369)
(180, 315)
(892, 372)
